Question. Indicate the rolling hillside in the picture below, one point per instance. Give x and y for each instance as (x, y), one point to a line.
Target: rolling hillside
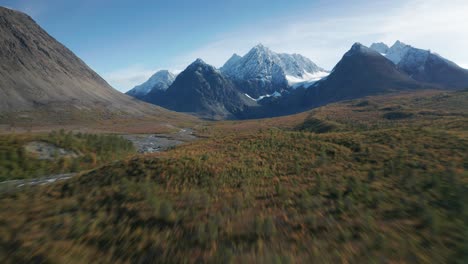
(376, 179)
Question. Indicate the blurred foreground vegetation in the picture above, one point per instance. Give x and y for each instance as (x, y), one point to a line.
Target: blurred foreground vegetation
(90, 150)
(357, 190)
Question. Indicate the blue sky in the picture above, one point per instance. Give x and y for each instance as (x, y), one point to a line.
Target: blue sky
(127, 41)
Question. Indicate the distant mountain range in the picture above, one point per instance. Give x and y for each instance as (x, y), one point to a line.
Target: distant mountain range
(39, 77)
(41, 80)
(424, 65)
(279, 84)
(260, 74)
(361, 72)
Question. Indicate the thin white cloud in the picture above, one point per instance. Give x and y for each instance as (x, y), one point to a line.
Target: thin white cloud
(429, 24)
(432, 24)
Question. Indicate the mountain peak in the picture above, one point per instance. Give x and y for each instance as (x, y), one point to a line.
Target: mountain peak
(399, 44)
(380, 47)
(358, 48)
(267, 71)
(161, 80)
(235, 55)
(199, 61)
(357, 45)
(424, 65)
(200, 65)
(260, 48)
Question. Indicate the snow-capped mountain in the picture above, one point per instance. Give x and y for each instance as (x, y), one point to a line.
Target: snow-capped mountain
(262, 71)
(424, 65)
(394, 53)
(361, 72)
(380, 47)
(204, 90)
(232, 62)
(161, 80)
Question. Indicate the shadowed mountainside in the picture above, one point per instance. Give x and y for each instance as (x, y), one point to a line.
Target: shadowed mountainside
(42, 80)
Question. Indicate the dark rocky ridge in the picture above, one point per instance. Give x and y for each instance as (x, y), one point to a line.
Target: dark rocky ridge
(203, 90)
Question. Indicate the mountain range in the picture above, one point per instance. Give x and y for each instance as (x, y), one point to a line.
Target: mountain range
(242, 81)
(361, 72)
(424, 65)
(279, 84)
(41, 77)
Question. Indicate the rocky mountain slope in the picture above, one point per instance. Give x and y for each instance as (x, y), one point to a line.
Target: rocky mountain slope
(205, 91)
(361, 72)
(262, 71)
(425, 65)
(41, 78)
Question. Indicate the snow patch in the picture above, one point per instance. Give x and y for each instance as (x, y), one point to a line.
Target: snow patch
(250, 97)
(275, 94)
(307, 79)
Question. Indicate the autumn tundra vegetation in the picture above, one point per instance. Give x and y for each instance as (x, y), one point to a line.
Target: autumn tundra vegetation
(379, 179)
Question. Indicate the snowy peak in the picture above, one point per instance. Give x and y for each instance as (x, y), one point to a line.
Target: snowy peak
(200, 66)
(232, 61)
(261, 48)
(361, 72)
(198, 62)
(204, 90)
(426, 66)
(380, 47)
(399, 45)
(395, 53)
(357, 46)
(163, 76)
(402, 54)
(414, 58)
(266, 66)
(161, 80)
(259, 64)
(260, 54)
